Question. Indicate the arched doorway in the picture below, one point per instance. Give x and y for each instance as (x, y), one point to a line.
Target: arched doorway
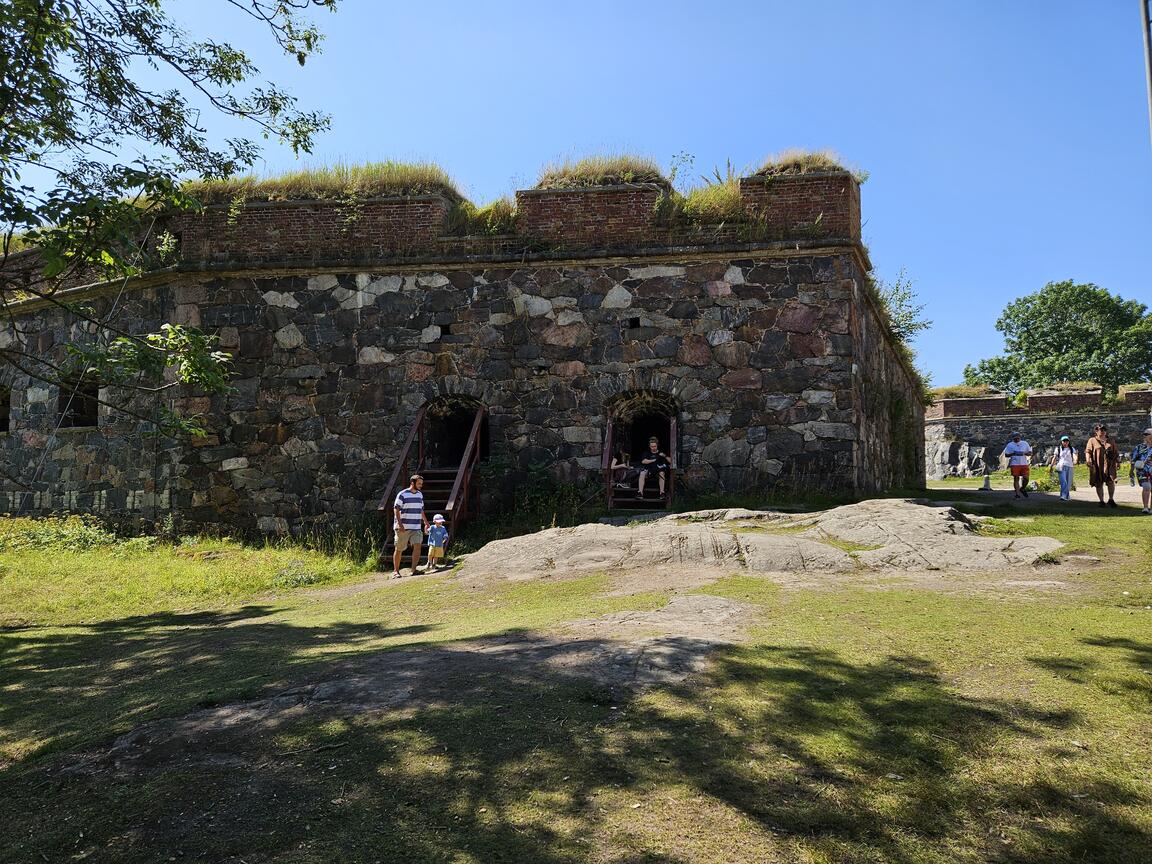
(634, 418)
(640, 415)
(448, 423)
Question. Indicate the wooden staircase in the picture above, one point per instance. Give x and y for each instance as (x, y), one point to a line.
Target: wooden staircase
(449, 491)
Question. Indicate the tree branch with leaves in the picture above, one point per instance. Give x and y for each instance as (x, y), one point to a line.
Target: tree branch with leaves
(94, 145)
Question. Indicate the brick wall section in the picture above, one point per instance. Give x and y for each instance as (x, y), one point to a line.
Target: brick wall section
(972, 407)
(816, 205)
(312, 230)
(600, 216)
(1138, 399)
(1057, 402)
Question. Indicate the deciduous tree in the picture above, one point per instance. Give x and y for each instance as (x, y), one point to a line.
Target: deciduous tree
(1069, 332)
(105, 106)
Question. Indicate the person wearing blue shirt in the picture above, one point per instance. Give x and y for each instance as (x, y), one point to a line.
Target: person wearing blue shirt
(437, 539)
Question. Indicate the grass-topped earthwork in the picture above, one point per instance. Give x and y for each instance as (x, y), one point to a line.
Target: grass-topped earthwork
(855, 722)
(964, 391)
(610, 170)
(800, 161)
(338, 182)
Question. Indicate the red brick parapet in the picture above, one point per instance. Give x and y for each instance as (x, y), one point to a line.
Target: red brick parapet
(312, 230)
(822, 204)
(981, 406)
(600, 215)
(1138, 399)
(1059, 402)
(807, 207)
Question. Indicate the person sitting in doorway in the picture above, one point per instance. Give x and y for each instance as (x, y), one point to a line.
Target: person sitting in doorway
(622, 471)
(655, 463)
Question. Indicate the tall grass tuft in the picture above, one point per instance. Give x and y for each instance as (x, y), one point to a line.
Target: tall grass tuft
(595, 171)
(332, 182)
(798, 161)
(498, 217)
(718, 200)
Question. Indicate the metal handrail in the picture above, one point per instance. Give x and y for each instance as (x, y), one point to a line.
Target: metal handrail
(402, 460)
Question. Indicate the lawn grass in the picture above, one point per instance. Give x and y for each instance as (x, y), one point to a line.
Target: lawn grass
(857, 724)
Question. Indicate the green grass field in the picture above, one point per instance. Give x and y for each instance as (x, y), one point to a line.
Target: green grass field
(861, 723)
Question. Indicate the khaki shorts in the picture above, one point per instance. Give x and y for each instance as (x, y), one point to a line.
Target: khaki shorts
(435, 551)
(406, 538)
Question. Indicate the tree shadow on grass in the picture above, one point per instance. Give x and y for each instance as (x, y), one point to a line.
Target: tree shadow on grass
(61, 682)
(513, 748)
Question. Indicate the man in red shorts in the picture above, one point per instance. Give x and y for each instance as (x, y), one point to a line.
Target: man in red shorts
(1019, 454)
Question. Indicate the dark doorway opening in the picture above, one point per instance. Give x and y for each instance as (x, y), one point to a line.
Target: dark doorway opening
(448, 425)
(645, 426)
(641, 415)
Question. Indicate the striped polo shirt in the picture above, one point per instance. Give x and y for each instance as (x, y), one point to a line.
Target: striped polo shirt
(411, 506)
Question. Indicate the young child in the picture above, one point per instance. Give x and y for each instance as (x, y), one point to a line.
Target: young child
(437, 538)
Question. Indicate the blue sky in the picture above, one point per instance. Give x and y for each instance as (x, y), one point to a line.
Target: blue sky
(1007, 142)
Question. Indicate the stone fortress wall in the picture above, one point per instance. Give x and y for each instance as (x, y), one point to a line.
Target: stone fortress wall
(761, 337)
(962, 437)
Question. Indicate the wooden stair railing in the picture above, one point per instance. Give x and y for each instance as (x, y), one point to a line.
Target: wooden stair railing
(606, 462)
(461, 501)
(415, 434)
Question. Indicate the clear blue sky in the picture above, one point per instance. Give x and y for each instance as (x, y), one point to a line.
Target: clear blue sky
(1007, 142)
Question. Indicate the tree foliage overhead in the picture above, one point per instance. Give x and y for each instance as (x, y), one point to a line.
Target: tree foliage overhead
(1069, 332)
(105, 107)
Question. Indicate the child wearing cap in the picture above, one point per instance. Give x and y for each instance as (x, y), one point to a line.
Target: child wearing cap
(1141, 469)
(437, 538)
(1064, 461)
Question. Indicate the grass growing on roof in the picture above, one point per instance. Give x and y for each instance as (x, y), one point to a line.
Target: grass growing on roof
(799, 161)
(332, 182)
(964, 391)
(601, 171)
(498, 217)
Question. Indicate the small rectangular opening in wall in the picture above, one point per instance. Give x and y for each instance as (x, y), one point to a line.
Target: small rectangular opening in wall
(78, 404)
(5, 409)
(445, 329)
(632, 323)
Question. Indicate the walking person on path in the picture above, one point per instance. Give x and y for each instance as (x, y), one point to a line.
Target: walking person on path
(1103, 458)
(1141, 470)
(1064, 461)
(409, 523)
(1019, 453)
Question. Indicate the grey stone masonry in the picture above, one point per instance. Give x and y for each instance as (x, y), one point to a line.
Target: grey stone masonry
(772, 360)
(964, 446)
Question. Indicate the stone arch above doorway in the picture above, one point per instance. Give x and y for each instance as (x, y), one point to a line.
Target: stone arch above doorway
(638, 415)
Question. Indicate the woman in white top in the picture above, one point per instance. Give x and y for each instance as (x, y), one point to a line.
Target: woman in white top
(1064, 461)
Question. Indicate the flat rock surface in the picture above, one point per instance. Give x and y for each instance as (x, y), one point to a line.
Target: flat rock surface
(878, 534)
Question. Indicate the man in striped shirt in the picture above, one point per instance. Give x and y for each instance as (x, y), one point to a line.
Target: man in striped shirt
(409, 523)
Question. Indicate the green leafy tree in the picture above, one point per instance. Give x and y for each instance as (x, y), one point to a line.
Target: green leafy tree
(1069, 332)
(905, 315)
(82, 84)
